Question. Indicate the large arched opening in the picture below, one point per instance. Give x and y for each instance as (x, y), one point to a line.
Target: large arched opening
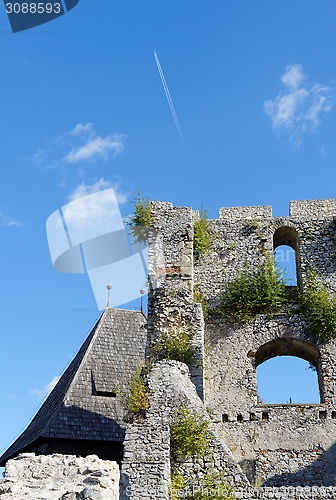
(288, 372)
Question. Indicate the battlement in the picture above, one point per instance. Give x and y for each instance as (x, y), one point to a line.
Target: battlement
(312, 208)
(234, 213)
(298, 208)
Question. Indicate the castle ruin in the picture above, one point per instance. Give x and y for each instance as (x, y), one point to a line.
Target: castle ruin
(266, 451)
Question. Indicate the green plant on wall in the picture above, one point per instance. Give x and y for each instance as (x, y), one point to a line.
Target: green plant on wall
(214, 486)
(253, 224)
(202, 235)
(137, 401)
(174, 343)
(232, 246)
(319, 308)
(199, 298)
(177, 484)
(262, 292)
(141, 218)
(188, 435)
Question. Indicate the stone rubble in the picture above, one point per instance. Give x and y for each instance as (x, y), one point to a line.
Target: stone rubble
(59, 477)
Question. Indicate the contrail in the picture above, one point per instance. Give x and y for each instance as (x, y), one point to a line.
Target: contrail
(169, 99)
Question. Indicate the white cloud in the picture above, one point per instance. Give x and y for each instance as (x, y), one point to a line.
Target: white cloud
(293, 76)
(300, 107)
(101, 184)
(42, 393)
(96, 146)
(94, 211)
(81, 144)
(39, 156)
(7, 221)
(81, 129)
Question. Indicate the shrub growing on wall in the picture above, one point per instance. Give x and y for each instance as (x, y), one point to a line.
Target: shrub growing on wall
(177, 484)
(262, 292)
(215, 487)
(202, 235)
(188, 435)
(199, 298)
(137, 401)
(319, 308)
(141, 218)
(174, 343)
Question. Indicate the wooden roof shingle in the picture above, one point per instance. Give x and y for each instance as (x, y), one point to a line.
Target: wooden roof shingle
(87, 402)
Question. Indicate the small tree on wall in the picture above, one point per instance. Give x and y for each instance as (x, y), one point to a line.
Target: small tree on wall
(202, 234)
(319, 308)
(141, 218)
(262, 292)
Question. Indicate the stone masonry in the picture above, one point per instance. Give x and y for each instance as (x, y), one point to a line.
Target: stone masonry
(59, 477)
(276, 445)
(282, 451)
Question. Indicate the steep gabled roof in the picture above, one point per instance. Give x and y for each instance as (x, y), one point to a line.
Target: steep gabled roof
(87, 402)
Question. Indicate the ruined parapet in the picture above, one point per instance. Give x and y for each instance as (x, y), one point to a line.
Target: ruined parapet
(146, 470)
(312, 208)
(170, 267)
(60, 477)
(243, 238)
(170, 298)
(249, 213)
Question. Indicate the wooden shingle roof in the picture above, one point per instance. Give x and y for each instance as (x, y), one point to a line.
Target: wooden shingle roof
(87, 402)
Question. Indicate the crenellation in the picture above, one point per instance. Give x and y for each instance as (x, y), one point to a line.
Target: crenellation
(312, 209)
(249, 213)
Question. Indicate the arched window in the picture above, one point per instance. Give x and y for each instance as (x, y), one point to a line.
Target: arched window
(284, 257)
(288, 372)
(285, 245)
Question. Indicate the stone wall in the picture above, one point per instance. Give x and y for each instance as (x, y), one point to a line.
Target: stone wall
(171, 286)
(312, 208)
(243, 238)
(288, 493)
(146, 468)
(59, 477)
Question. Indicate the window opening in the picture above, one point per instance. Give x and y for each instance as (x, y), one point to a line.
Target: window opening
(225, 417)
(265, 416)
(106, 394)
(239, 418)
(107, 390)
(284, 258)
(323, 415)
(287, 380)
(285, 244)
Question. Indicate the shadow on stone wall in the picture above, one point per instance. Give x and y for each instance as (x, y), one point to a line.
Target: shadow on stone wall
(249, 469)
(322, 472)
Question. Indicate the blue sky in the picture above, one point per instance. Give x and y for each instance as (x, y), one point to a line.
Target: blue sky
(83, 108)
